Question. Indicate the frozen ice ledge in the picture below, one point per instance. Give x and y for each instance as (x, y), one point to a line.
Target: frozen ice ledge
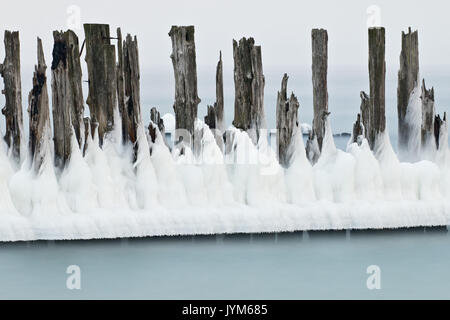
(104, 194)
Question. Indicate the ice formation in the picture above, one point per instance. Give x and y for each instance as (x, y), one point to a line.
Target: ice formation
(103, 194)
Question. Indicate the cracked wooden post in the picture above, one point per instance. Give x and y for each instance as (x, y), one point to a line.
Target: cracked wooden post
(408, 80)
(377, 74)
(320, 81)
(39, 113)
(132, 111)
(67, 95)
(10, 71)
(287, 124)
(101, 62)
(186, 92)
(428, 115)
(249, 86)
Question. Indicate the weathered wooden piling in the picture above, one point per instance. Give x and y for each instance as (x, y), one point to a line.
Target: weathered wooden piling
(186, 91)
(358, 130)
(220, 100)
(211, 118)
(287, 124)
(120, 75)
(365, 114)
(132, 111)
(438, 124)
(377, 74)
(67, 95)
(39, 112)
(101, 62)
(10, 71)
(157, 122)
(87, 134)
(320, 81)
(249, 86)
(428, 115)
(408, 80)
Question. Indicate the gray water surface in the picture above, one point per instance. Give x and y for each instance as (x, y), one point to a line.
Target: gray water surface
(414, 264)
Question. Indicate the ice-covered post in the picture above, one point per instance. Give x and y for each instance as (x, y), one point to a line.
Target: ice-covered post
(132, 109)
(428, 115)
(101, 63)
(377, 74)
(408, 80)
(249, 86)
(186, 92)
(39, 113)
(10, 71)
(287, 124)
(67, 95)
(320, 81)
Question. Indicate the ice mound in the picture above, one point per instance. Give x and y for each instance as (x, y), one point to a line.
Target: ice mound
(105, 194)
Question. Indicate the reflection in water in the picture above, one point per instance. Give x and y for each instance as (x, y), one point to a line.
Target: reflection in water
(414, 264)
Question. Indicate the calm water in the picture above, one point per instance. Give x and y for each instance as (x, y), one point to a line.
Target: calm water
(414, 264)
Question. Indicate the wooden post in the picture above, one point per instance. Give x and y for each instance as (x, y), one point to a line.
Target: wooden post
(211, 118)
(67, 95)
(88, 135)
(39, 112)
(220, 101)
(377, 73)
(185, 69)
(438, 124)
(287, 124)
(428, 115)
(358, 130)
(366, 117)
(320, 81)
(132, 111)
(101, 62)
(121, 85)
(408, 79)
(10, 71)
(157, 122)
(249, 85)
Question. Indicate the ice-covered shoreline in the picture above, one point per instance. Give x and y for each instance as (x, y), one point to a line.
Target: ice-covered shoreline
(103, 195)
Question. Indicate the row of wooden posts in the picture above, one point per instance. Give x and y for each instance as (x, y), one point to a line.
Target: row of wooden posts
(114, 80)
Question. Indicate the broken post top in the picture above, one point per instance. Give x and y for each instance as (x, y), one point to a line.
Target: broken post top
(188, 31)
(376, 36)
(59, 50)
(427, 94)
(320, 38)
(284, 84)
(98, 32)
(41, 66)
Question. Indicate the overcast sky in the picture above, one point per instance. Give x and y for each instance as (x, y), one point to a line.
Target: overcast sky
(282, 27)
